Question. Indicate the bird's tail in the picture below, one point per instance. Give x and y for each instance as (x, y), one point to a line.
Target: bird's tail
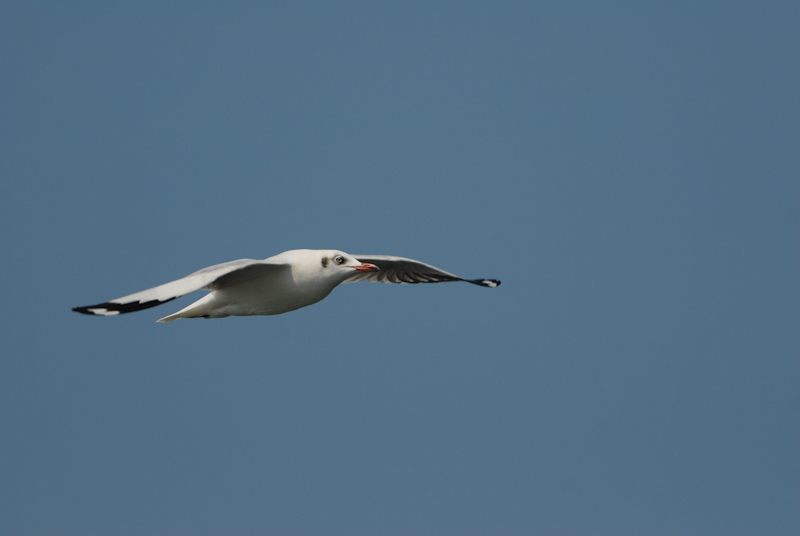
(170, 318)
(204, 307)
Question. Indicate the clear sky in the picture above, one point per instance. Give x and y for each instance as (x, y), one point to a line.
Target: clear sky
(630, 171)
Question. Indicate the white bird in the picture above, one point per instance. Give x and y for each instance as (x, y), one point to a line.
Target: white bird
(279, 284)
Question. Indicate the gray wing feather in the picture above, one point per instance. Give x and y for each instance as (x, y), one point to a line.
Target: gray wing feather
(402, 270)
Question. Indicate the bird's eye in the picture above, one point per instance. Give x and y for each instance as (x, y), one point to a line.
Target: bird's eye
(338, 259)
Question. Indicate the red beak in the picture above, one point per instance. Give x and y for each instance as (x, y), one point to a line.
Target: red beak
(367, 267)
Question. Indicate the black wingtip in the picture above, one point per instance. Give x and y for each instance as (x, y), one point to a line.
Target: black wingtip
(491, 283)
(113, 309)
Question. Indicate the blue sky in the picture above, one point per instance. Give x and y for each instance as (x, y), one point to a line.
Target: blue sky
(630, 171)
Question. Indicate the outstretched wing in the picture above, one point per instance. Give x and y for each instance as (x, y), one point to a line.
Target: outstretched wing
(214, 277)
(401, 270)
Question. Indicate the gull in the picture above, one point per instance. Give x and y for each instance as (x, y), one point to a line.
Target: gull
(277, 285)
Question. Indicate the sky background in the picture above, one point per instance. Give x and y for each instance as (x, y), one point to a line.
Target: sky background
(630, 171)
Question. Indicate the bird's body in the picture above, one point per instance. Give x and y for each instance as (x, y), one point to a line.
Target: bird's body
(279, 284)
(290, 285)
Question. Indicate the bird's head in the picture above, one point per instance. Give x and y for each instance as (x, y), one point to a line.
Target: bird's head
(340, 263)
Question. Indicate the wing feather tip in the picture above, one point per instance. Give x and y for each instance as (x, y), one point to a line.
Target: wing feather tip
(114, 308)
(96, 310)
(490, 283)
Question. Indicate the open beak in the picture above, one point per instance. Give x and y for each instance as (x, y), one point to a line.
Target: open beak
(367, 267)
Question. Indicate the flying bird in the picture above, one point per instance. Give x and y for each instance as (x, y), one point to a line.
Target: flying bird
(277, 285)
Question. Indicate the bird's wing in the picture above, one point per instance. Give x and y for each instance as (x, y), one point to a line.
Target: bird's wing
(400, 270)
(214, 277)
